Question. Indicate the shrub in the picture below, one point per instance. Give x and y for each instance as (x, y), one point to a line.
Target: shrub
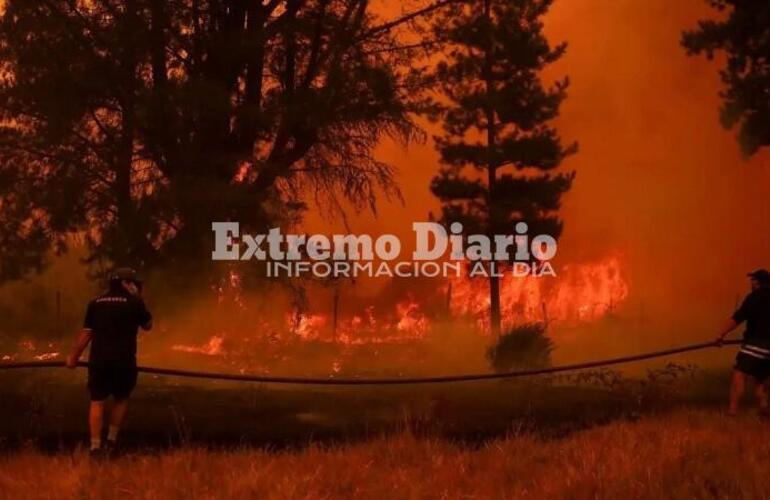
(522, 347)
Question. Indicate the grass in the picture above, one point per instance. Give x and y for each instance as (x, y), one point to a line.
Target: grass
(684, 454)
(595, 434)
(49, 408)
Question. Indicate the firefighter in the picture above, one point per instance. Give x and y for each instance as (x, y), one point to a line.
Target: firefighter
(111, 325)
(753, 359)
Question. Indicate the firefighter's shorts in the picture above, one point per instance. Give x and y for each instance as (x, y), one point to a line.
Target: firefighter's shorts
(753, 363)
(105, 380)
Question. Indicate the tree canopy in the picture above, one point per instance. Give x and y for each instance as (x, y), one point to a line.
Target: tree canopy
(744, 36)
(136, 123)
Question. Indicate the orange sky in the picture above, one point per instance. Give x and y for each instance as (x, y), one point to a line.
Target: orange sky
(658, 178)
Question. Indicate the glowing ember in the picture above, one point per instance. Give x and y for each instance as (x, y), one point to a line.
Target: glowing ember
(28, 350)
(214, 347)
(47, 356)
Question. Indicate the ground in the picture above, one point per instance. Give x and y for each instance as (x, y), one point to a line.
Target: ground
(683, 454)
(659, 433)
(49, 408)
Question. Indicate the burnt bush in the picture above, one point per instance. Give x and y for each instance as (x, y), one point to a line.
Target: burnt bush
(522, 347)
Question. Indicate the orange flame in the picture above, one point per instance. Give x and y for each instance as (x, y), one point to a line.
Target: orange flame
(582, 292)
(214, 347)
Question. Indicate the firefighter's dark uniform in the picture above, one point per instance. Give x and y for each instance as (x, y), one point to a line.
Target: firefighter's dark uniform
(754, 356)
(114, 319)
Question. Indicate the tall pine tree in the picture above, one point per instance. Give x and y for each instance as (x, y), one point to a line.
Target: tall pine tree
(743, 34)
(499, 148)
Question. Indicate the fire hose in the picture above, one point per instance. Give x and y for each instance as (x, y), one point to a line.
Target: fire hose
(396, 380)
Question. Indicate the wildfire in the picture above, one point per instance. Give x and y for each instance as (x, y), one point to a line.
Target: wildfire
(406, 322)
(214, 347)
(27, 349)
(412, 320)
(582, 292)
(308, 327)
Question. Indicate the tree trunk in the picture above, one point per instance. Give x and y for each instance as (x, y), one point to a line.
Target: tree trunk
(125, 219)
(495, 319)
(125, 241)
(494, 281)
(162, 114)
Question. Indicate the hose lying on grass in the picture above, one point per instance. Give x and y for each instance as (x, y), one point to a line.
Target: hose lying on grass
(393, 381)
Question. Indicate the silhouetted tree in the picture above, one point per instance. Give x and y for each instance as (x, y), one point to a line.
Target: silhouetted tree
(498, 146)
(136, 123)
(744, 36)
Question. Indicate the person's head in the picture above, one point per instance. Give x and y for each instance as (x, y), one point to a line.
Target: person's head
(760, 279)
(125, 279)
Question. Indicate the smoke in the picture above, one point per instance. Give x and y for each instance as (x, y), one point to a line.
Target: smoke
(659, 183)
(659, 180)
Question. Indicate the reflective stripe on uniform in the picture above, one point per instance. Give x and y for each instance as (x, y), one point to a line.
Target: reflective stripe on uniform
(757, 352)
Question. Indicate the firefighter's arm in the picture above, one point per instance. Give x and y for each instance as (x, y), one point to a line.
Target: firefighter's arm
(145, 318)
(84, 338)
(728, 326)
(739, 316)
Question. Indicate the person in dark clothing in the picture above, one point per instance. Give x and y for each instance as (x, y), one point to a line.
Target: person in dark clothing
(111, 326)
(753, 359)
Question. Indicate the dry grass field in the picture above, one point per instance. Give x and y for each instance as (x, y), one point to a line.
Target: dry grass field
(684, 454)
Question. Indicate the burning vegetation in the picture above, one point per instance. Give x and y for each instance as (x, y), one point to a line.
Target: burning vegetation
(583, 292)
(336, 329)
(400, 322)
